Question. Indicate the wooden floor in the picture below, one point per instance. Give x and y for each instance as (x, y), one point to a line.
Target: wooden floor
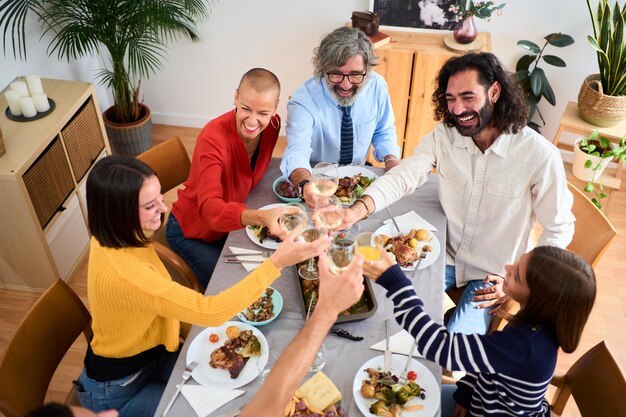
(607, 321)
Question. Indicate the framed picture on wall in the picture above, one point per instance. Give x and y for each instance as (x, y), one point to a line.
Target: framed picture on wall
(415, 14)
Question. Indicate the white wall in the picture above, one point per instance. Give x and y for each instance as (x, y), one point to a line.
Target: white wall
(199, 80)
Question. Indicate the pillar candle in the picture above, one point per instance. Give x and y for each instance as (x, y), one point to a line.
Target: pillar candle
(41, 102)
(20, 88)
(13, 98)
(34, 84)
(28, 107)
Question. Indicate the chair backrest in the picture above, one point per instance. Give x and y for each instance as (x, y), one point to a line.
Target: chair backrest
(594, 232)
(596, 382)
(177, 267)
(40, 343)
(170, 161)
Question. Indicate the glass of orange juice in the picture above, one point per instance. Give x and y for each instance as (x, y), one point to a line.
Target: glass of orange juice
(366, 245)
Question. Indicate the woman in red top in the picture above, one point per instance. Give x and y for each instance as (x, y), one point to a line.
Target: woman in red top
(230, 157)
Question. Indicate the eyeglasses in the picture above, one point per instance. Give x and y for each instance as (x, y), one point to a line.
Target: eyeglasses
(338, 78)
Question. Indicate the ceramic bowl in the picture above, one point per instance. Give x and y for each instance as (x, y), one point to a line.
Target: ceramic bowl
(285, 199)
(277, 300)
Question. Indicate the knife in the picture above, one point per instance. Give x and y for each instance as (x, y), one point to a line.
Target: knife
(238, 261)
(387, 357)
(393, 219)
(346, 334)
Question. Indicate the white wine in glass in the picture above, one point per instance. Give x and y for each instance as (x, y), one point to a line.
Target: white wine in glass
(293, 216)
(328, 213)
(324, 179)
(340, 255)
(310, 271)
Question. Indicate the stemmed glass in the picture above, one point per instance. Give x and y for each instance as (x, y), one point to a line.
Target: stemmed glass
(328, 213)
(293, 216)
(310, 271)
(324, 179)
(340, 254)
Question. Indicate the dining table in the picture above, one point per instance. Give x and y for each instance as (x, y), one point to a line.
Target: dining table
(343, 357)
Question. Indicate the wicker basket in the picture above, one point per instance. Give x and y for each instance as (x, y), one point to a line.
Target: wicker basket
(3, 150)
(598, 108)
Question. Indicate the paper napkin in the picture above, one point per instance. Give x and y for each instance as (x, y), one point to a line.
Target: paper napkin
(398, 343)
(205, 400)
(247, 255)
(414, 219)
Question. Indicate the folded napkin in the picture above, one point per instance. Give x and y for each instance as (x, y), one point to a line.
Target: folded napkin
(248, 255)
(205, 400)
(398, 343)
(414, 219)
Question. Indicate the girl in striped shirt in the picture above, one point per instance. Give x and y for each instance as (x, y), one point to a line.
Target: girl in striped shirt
(508, 371)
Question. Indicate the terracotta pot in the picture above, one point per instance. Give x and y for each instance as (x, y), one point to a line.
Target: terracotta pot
(465, 31)
(130, 138)
(597, 108)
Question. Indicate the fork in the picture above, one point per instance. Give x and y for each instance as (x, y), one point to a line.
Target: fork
(403, 377)
(265, 254)
(186, 375)
(419, 261)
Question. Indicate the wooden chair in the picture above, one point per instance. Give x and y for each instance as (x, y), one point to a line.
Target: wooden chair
(177, 267)
(595, 381)
(592, 236)
(41, 341)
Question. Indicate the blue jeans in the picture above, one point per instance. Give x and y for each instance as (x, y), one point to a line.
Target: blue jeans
(447, 400)
(467, 319)
(136, 395)
(201, 256)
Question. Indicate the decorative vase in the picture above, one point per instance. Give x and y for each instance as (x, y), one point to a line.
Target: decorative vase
(578, 166)
(597, 108)
(131, 138)
(465, 31)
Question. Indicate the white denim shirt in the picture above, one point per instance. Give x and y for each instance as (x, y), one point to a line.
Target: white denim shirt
(491, 200)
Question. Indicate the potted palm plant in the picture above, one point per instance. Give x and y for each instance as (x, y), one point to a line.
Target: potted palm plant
(131, 35)
(602, 97)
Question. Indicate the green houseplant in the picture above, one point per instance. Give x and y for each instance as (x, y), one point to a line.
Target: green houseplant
(602, 97)
(591, 156)
(533, 80)
(131, 34)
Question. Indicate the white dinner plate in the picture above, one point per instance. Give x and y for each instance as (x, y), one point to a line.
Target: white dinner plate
(405, 227)
(352, 170)
(425, 379)
(267, 243)
(200, 350)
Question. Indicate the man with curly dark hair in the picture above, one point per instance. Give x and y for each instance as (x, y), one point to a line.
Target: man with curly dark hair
(496, 178)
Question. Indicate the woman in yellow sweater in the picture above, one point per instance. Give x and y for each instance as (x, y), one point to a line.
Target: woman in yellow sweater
(136, 308)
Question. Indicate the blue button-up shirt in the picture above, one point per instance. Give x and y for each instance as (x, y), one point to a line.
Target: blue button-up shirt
(314, 125)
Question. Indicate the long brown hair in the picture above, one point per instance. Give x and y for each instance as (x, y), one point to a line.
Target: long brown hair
(510, 111)
(562, 291)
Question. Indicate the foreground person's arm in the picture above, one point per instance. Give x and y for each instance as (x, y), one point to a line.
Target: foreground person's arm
(336, 293)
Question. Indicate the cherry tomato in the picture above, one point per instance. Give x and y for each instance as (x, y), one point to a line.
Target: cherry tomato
(411, 375)
(213, 338)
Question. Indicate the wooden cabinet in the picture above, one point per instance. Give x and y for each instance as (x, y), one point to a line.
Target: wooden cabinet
(43, 213)
(410, 63)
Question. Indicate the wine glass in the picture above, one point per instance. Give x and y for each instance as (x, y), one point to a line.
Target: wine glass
(328, 213)
(366, 245)
(293, 216)
(309, 271)
(340, 254)
(324, 179)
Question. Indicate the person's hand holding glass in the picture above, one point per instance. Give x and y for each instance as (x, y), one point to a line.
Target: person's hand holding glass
(340, 253)
(294, 215)
(324, 181)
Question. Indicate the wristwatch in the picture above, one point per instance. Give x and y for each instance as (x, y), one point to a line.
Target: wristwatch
(301, 188)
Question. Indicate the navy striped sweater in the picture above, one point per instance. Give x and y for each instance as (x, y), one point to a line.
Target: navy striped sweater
(508, 372)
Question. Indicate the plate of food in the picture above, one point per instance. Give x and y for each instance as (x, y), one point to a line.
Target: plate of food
(380, 392)
(264, 310)
(260, 234)
(228, 356)
(407, 246)
(353, 180)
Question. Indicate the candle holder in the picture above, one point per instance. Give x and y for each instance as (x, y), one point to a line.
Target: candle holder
(38, 116)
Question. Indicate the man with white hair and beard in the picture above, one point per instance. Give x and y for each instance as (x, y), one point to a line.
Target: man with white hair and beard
(496, 177)
(336, 115)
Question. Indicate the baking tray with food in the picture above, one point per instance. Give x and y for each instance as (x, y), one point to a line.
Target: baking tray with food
(362, 309)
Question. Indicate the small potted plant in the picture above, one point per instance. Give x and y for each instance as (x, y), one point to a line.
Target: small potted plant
(592, 154)
(464, 11)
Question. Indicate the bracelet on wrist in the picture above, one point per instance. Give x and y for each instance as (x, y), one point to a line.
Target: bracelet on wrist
(367, 210)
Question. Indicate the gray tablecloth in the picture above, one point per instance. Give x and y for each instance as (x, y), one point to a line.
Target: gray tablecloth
(343, 357)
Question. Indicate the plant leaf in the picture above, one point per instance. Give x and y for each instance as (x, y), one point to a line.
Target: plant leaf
(524, 62)
(536, 81)
(554, 60)
(530, 46)
(560, 41)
